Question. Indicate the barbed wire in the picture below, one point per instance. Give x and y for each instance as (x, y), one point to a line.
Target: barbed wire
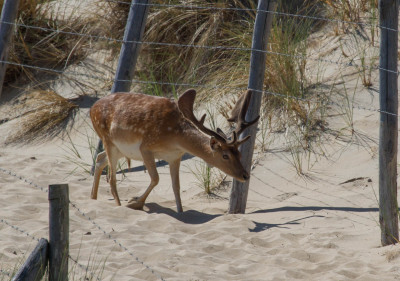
(4, 272)
(37, 239)
(23, 179)
(196, 7)
(108, 235)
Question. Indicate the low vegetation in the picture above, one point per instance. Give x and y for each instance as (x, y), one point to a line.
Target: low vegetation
(216, 72)
(36, 42)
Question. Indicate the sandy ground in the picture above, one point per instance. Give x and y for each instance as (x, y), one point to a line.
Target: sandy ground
(322, 225)
(309, 228)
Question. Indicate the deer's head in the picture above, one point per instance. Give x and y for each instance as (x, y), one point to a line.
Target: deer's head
(227, 156)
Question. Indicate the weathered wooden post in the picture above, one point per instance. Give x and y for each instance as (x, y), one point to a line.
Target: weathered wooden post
(35, 266)
(8, 16)
(262, 28)
(388, 129)
(58, 232)
(130, 48)
(129, 52)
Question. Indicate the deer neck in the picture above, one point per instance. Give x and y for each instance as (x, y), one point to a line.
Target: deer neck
(197, 144)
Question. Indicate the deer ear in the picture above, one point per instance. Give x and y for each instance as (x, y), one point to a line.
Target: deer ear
(214, 144)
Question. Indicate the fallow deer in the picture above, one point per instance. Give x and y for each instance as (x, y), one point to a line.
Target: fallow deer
(143, 127)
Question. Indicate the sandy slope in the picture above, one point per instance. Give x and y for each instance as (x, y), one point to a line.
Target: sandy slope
(322, 226)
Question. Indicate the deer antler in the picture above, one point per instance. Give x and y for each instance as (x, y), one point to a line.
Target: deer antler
(185, 104)
(239, 111)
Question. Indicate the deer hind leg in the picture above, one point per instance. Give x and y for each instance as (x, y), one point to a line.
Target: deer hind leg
(101, 163)
(128, 161)
(150, 163)
(113, 156)
(174, 171)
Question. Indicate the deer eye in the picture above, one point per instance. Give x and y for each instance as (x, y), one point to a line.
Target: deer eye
(226, 157)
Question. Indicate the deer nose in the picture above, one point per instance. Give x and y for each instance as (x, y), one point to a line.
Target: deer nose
(246, 176)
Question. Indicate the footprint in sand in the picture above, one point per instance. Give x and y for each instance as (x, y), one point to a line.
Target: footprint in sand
(285, 196)
(359, 182)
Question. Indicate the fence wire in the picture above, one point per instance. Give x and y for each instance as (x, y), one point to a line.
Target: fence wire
(228, 48)
(175, 84)
(350, 63)
(196, 7)
(83, 214)
(192, 85)
(27, 234)
(165, 44)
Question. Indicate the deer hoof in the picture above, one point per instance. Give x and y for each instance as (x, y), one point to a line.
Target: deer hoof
(136, 205)
(133, 199)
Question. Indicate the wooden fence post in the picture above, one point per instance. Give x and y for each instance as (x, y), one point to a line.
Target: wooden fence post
(35, 266)
(388, 129)
(262, 28)
(129, 52)
(8, 15)
(58, 232)
(130, 48)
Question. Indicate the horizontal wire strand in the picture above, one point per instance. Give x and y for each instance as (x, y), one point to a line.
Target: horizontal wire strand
(165, 44)
(37, 239)
(253, 10)
(83, 214)
(187, 85)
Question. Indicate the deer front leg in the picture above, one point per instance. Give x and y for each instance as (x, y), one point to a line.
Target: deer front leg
(150, 163)
(174, 171)
(101, 163)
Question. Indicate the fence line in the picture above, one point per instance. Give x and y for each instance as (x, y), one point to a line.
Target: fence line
(4, 272)
(191, 85)
(37, 239)
(108, 235)
(98, 37)
(255, 10)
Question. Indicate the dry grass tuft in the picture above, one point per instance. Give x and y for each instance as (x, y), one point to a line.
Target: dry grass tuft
(115, 15)
(42, 48)
(204, 27)
(350, 11)
(44, 114)
(212, 27)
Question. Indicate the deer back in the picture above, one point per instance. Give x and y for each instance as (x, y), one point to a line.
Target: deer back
(129, 117)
